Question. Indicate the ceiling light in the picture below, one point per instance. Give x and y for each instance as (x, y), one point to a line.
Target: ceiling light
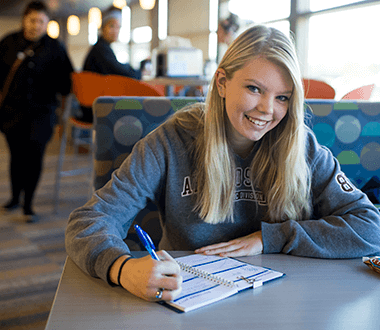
(147, 4)
(73, 25)
(95, 16)
(119, 3)
(53, 29)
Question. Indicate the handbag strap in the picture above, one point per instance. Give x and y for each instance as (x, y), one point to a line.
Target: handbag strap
(21, 56)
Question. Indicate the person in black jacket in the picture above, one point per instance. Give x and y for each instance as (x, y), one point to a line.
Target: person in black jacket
(101, 58)
(28, 108)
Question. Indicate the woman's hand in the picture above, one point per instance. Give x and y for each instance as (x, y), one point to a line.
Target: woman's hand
(144, 277)
(240, 247)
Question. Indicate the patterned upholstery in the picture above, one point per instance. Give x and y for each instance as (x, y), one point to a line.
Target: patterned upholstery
(351, 129)
(119, 123)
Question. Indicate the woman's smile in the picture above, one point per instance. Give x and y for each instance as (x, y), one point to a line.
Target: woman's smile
(257, 122)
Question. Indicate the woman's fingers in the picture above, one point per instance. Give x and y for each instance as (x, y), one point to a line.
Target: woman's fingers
(244, 246)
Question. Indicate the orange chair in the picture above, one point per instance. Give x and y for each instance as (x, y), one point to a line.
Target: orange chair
(317, 89)
(87, 86)
(115, 85)
(361, 93)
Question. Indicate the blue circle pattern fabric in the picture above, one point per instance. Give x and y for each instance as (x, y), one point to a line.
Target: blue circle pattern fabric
(351, 130)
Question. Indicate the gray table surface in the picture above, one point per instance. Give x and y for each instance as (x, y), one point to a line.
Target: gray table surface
(314, 294)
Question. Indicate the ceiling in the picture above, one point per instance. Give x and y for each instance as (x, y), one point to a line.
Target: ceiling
(58, 8)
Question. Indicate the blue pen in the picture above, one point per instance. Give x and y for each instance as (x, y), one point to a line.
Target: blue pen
(147, 242)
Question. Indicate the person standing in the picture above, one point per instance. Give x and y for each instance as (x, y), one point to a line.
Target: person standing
(34, 68)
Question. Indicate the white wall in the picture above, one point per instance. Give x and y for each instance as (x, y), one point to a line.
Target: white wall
(139, 18)
(9, 25)
(190, 19)
(78, 46)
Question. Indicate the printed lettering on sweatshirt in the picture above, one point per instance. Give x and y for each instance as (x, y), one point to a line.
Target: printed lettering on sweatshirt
(243, 192)
(344, 183)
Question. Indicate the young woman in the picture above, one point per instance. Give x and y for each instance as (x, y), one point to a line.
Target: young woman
(239, 175)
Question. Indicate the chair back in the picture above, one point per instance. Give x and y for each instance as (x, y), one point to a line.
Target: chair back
(361, 93)
(123, 86)
(87, 86)
(317, 89)
(119, 122)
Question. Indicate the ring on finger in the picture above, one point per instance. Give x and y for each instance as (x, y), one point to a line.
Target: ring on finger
(159, 293)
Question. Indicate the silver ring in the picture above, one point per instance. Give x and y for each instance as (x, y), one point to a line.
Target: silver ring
(159, 293)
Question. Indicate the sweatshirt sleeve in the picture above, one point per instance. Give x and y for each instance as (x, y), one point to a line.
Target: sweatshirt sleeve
(95, 232)
(344, 224)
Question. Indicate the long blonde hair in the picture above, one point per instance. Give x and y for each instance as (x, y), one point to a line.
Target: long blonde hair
(279, 168)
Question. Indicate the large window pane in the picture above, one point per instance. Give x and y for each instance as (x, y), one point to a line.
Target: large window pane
(283, 26)
(260, 11)
(316, 5)
(342, 50)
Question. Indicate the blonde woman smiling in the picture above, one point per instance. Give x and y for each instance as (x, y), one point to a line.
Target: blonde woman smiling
(239, 175)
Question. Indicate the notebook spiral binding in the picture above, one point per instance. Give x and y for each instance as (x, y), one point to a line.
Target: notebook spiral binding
(206, 275)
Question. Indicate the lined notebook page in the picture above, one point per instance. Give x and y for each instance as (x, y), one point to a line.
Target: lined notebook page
(207, 279)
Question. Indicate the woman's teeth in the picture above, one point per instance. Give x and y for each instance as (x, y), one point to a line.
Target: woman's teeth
(256, 121)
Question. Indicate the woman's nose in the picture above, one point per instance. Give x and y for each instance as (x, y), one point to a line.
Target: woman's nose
(265, 105)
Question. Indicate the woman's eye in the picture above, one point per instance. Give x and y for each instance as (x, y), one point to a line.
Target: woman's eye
(254, 89)
(283, 98)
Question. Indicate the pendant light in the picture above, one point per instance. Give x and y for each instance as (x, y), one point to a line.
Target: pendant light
(73, 25)
(147, 4)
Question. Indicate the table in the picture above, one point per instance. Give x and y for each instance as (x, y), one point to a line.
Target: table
(314, 294)
(169, 83)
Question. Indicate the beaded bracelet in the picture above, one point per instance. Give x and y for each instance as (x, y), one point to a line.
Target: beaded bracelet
(121, 267)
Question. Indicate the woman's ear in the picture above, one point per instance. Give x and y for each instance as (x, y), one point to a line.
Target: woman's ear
(221, 80)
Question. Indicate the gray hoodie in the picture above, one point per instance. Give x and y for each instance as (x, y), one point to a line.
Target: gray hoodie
(344, 224)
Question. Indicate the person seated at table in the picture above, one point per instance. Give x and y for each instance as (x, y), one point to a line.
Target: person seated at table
(226, 33)
(227, 29)
(101, 58)
(239, 175)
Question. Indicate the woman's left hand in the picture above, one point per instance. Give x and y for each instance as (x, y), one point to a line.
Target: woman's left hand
(244, 246)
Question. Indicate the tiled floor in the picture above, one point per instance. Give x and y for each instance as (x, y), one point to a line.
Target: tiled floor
(32, 255)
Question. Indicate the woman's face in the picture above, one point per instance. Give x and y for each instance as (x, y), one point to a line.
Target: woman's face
(35, 25)
(256, 98)
(111, 30)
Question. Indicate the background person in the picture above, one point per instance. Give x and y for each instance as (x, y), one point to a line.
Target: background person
(29, 103)
(102, 59)
(226, 33)
(239, 175)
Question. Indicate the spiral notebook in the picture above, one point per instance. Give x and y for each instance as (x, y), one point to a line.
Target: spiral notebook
(207, 279)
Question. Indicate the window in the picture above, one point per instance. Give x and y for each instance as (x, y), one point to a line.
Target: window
(316, 5)
(125, 30)
(142, 34)
(162, 19)
(342, 50)
(334, 38)
(260, 11)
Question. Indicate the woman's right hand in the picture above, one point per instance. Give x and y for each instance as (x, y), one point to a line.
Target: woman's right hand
(144, 277)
